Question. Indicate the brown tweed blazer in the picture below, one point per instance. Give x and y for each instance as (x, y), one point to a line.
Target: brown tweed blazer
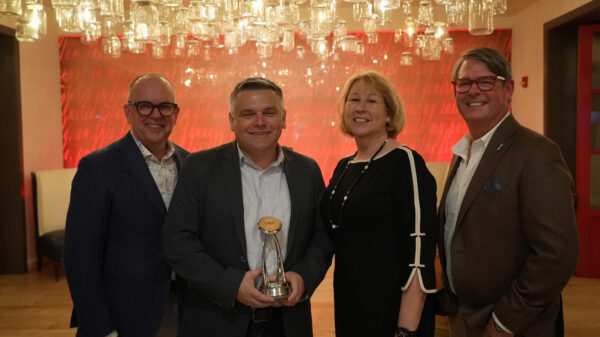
(515, 244)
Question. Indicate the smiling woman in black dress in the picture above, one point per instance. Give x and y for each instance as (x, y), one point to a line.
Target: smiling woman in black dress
(380, 209)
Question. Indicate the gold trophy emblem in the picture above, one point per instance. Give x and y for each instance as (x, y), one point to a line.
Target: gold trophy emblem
(279, 288)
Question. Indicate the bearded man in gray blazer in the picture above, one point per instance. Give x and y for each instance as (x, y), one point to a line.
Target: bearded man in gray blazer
(508, 240)
(211, 238)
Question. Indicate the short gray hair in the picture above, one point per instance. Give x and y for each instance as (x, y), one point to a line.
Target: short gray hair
(254, 83)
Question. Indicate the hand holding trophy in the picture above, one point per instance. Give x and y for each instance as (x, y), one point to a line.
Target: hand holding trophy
(279, 288)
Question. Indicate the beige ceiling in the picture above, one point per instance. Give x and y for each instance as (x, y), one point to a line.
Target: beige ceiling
(515, 6)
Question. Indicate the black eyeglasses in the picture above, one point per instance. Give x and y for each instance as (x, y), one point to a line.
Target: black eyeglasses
(484, 83)
(145, 108)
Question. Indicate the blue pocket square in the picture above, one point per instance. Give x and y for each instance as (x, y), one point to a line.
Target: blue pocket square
(492, 185)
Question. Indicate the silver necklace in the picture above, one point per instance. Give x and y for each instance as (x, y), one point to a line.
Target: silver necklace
(364, 169)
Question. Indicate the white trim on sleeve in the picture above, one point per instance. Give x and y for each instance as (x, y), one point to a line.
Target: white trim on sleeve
(417, 234)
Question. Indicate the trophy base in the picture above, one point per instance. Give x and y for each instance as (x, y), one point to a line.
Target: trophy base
(278, 292)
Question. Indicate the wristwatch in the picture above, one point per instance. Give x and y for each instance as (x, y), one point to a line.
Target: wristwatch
(403, 332)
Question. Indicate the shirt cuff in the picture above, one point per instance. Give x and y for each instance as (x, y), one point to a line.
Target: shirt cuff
(500, 324)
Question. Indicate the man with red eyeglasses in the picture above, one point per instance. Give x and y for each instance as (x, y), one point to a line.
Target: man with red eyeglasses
(118, 279)
(508, 239)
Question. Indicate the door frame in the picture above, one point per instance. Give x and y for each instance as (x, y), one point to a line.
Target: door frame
(587, 265)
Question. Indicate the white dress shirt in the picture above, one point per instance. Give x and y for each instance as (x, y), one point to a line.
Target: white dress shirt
(466, 168)
(265, 193)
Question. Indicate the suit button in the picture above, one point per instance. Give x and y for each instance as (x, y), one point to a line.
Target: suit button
(243, 258)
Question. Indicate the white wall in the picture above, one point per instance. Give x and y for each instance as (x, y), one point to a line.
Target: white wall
(41, 115)
(528, 57)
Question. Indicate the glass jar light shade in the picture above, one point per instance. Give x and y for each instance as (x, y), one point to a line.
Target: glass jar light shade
(431, 47)
(110, 26)
(425, 17)
(406, 59)
(372, 38)
(31, 25)
(359, 48)
(349, 44)
(85, 13)
(91, 32)
(112, 8)
(288, 14)
(66, 19)
(10, 7)
(112, 46)
(500, 6)
(231, 39)
(181, 21)
(362, 11)
(370, 26)
(449, 45)
(300, 51)
(339, 32)
(481, 17)
(146, 27)
(288, 40)
(319, 22)
(157, 51)
(264, 49)
(165, 34)
(193, 48)
(128, 39)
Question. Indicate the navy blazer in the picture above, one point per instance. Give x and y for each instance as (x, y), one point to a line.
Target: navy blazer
(117, 276)
(205, 242)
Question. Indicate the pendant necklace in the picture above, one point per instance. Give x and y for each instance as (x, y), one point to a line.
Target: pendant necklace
(337, 225)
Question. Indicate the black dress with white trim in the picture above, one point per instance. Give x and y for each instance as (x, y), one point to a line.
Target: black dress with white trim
(386, 237)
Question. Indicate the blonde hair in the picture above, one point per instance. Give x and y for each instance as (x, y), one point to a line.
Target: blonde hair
(386, 89)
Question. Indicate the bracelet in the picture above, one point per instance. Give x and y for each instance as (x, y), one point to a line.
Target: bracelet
(498, 327)
(403, 332)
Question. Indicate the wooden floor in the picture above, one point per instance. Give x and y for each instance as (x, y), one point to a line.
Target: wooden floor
(35, 305)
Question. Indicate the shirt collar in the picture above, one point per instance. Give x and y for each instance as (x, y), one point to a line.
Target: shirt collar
(462, 147)
(147, 154)
(244, 159)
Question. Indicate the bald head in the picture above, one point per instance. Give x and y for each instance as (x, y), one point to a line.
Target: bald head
(151, 129)
(153, 79)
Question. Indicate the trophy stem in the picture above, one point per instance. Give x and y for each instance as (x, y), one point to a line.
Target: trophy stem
(264, 260)
(279, 260)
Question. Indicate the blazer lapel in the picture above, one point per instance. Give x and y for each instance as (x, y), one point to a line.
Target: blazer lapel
(180, 155)
(232, 181)
(500, 142)
(138, 171)
(295, 187)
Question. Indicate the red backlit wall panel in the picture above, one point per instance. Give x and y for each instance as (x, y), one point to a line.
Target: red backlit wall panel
(94, 89)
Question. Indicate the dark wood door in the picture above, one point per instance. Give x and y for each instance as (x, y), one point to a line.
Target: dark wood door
(13, 248)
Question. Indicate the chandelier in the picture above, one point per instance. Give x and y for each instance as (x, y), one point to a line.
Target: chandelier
(422, 25)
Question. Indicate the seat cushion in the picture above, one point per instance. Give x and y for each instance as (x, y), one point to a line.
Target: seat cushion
(52, 244)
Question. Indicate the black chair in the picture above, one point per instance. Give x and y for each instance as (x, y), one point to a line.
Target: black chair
(51, 193)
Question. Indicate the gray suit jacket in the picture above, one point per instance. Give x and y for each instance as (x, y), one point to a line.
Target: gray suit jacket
(515, 244)
(116, 273)
(204, 241)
